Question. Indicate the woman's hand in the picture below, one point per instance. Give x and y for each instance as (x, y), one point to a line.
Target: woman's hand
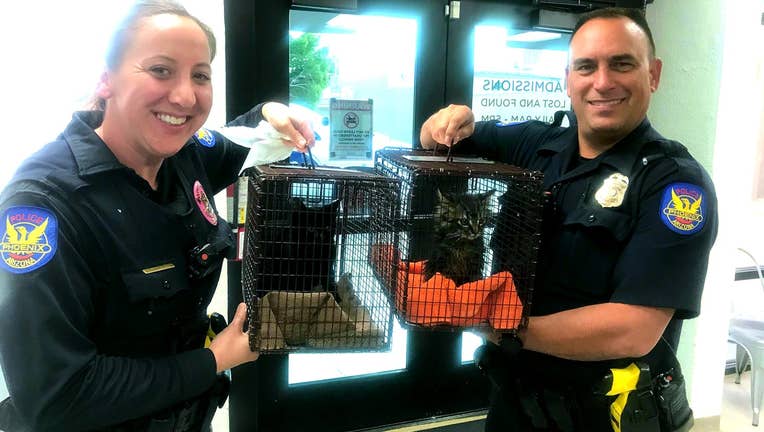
(288, 122)
(231, 346)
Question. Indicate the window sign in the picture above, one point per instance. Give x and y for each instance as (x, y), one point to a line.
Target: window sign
(350, 126)
(518, 75)
(514, 98)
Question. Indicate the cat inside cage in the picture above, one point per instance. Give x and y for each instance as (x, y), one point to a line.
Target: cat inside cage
(306, 276)
(459, 224)
(300, 249)
(468, 253)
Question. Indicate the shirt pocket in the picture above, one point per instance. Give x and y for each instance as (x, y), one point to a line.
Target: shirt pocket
(590, 246)
(157, 298)
(160, 281)
(601, 222)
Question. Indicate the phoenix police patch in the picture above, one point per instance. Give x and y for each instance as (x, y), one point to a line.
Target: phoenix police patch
(205, 137)
(30, 239)
(505, 123)
(682, 208)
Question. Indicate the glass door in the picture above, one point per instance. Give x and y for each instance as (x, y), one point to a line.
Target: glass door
(386, 55)
(402, 60)
(507, 68)
(335, 57)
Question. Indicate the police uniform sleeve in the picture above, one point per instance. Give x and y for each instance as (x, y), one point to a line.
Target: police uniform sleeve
(55, 375)
(512, 143)
(664, 262)
(222, 157)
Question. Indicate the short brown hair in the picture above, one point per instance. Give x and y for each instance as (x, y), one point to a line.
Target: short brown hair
(124, 32)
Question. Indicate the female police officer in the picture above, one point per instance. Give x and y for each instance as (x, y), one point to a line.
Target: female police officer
(111, 245)
(626, 234)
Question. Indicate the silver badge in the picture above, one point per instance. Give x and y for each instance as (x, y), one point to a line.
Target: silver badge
(612, 191)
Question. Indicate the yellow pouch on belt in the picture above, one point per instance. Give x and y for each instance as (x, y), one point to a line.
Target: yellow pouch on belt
(217, 324)
(634, 409)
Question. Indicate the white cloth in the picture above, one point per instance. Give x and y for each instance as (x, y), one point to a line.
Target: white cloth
(266, 145)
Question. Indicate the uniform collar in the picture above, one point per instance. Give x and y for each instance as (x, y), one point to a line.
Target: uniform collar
(90, 152)
(621, 156)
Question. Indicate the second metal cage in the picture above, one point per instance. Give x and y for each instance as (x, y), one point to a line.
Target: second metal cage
(468, 251)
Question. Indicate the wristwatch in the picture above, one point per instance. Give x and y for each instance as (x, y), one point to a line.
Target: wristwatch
(510, 343)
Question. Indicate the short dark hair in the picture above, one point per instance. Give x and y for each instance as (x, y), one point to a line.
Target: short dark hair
(635, 15)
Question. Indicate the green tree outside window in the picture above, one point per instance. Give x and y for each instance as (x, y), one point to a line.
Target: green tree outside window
(309, 70)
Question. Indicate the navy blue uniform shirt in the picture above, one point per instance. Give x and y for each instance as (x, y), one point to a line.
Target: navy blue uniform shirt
(635, 225)
(102, 318)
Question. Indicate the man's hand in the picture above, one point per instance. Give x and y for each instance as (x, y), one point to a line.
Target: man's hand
(497, 361)
(231, 346)
(288, 122)
(447, 126)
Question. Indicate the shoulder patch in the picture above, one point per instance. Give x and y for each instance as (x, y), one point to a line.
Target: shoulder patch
(205, 137)
(505, 123)
(683, 208)
(29, 239)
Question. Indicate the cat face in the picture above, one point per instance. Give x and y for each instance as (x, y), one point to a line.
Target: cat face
(462, 216)
(317, 223)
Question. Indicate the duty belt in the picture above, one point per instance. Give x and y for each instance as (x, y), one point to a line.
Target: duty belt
(190, 416)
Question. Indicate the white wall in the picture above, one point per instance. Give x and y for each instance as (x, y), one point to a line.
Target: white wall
(710, 99)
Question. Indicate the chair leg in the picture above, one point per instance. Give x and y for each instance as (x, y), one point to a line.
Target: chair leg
(741, 361)
(757, 387)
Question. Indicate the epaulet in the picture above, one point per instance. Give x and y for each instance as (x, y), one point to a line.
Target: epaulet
(205, 137)
(668, 148)
(21, 185)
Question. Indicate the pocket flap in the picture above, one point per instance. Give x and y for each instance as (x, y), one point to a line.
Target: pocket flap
(619, 224)
(161, 280)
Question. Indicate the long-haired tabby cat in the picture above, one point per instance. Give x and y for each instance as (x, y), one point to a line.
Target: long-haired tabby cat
(458, 248)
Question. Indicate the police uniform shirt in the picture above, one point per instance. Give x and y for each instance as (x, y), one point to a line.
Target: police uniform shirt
(634, 225)
(96, 302)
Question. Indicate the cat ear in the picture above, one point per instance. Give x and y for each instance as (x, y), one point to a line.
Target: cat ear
(444, 197)
(333, 206)
(485, 196)
(297, 204)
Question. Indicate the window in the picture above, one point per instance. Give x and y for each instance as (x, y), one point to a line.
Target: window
(341, 56)
(346, 52)
(518, 75)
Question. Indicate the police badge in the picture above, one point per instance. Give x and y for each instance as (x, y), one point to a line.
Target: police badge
(612, 191)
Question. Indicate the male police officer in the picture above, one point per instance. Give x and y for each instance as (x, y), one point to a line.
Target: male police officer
(627, 230)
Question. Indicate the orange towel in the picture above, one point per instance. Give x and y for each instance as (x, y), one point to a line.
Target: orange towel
(438, 301)
(425, 302)
(506, 308)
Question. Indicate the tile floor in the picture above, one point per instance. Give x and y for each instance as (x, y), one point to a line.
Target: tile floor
(736, 406)
(735, 416)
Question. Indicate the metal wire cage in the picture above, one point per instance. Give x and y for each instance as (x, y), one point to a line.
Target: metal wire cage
(469, 245)
(306, 276)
